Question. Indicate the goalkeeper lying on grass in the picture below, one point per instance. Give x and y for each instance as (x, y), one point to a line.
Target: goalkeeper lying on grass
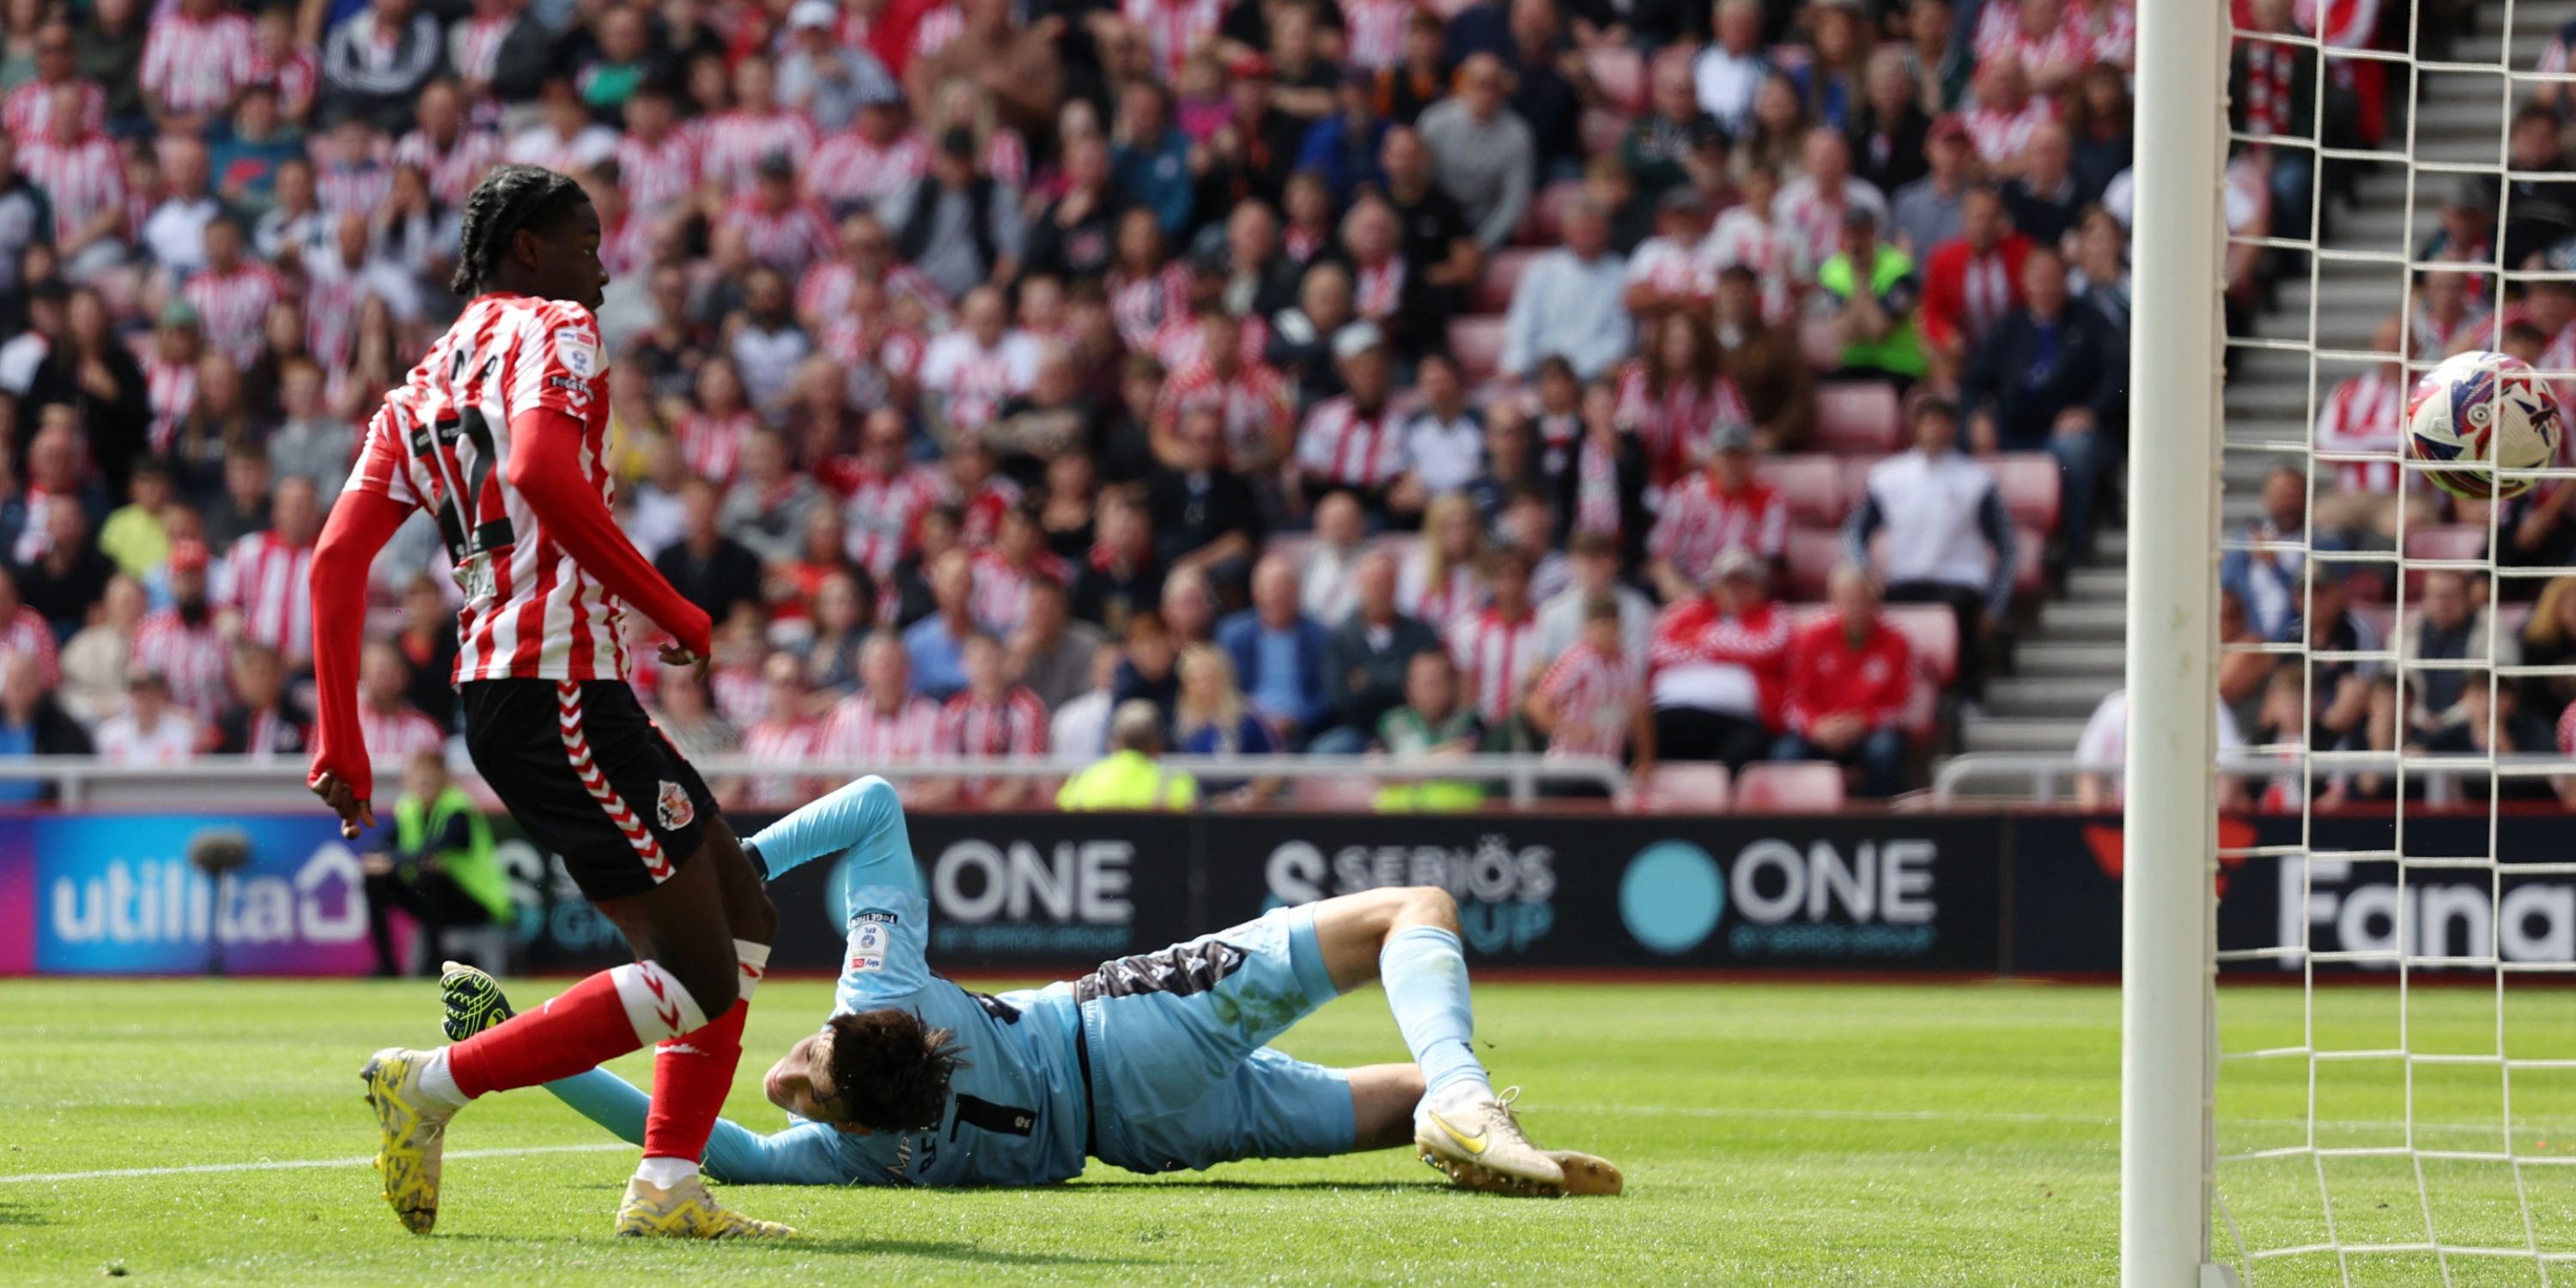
(1150, 1063)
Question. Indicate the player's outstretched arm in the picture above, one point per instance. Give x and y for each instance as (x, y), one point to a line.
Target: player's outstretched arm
(361, 523)
(865, 815)
(545, 467)
(805, 1154)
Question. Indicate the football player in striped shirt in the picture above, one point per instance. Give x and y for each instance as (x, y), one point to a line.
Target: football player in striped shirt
(500, 434)
(1176, 1070)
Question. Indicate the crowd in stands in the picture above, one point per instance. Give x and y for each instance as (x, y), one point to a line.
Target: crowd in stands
(1371, 375)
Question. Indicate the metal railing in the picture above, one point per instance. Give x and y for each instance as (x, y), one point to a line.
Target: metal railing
(241, 782)
(2441, 774)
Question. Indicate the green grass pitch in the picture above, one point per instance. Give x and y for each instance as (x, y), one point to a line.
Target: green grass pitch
(1790, 1135)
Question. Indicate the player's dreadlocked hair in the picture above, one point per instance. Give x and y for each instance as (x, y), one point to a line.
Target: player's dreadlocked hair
(510, 198)
(890, 1071)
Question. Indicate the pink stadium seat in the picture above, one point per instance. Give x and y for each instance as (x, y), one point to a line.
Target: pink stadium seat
(1813, 552)
(1547, 213)
(1477, 345)
(1856, 480)
(2028, 575)
(1812, 485)
(1687, 789)
(1808, 786)
(1502, 273)
(1337, 794)
(1934, 632)
(1620, 72)
(1856, 418)
(2450, 541)
(2030, 484)
(1817, 340)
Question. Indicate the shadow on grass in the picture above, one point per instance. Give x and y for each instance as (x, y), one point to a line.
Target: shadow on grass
(21, 1214)
(857, 1247)
(1218, 1183)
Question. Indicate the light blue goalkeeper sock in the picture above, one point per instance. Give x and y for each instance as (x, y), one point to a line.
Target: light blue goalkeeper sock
(1425, 974)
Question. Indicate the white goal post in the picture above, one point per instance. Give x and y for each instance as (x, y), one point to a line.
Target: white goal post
(2167, 967)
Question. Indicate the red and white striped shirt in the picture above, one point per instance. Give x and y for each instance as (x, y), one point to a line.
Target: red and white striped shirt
(2364, 413)
(882, 511)
(826, 288)
(28, 111)
(478, 46)
(1141, 305)
(2001, 135)
(1594, 694)
(530, 611)
(191, 658)
(270, 583)
(1459, 593)
(712, 444)
(851, 169)
(233, 306)
(1705, 660)
(859, 732)
(656, 175)
(738, 141)
(983, 509)
(1495, 657)
(1011, 728)
(1698, 523)
(353, 187)
(1674, 428)
(1183, 341)
(297, 76)
(1339, 444)
(1373, 32)
(26, 632)
(451, 170)
(394, 737)
(1006, 159)
(780, 741)
(738, 694)
(193, 66)
(2433, 339)
(171, 387)
(1173, 28)
(975, 380)
(84, 180)
(999, 601)
(787, 240)
(1254, 404)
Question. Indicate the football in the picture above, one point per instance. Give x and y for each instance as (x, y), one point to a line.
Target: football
(2477, 411)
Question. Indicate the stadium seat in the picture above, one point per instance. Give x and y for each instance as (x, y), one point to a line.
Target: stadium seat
(1821, 343)
(1502, 274)
(1337, 794)
(1933, 630)
(1856, 481)
(1620, 73)
(1812, 485)
(1547, 214)
(1688, 787)
(2447, 542)
(1476, 344)
(1813, 552)
(1803, 786)
(1857, 418)
(2030, 578)
(2030, 482)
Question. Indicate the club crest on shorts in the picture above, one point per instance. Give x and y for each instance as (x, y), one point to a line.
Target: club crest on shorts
(671, 805)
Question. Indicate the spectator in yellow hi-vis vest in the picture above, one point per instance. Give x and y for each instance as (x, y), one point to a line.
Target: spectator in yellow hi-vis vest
(1131, 777)
(439, 867)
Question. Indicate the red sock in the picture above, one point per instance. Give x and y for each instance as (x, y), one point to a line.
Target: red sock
(692, 1074)
(594, 1021)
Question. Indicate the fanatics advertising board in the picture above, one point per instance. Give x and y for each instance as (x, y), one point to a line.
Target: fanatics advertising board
(1056, 894)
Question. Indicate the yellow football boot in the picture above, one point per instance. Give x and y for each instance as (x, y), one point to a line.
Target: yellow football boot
(412, 1135)
(686, 1211)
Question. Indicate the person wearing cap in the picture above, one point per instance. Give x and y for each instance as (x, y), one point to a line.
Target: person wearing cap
(1719, 509)
(1716, 668)
(1570, 302)
(1355, 442)
(1875, 290)
(827, 80)
(1850, 688)
(1948, 540)
(959, 227)
(1482, 155)
(1667, 273)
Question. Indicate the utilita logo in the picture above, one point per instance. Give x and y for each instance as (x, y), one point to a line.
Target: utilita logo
(162, 900)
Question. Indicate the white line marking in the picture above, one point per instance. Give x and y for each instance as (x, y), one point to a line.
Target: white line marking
(294, 1164)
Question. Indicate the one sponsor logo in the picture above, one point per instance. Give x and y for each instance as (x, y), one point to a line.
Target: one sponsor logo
(1875, 901)
(1068, 899)
(1505, 892)
(671, 805)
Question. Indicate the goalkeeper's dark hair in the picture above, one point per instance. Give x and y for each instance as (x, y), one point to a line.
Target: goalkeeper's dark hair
(890, 1071)
(510, 198)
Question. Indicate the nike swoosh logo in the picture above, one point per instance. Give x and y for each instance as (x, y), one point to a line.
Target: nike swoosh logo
(1472, 1144)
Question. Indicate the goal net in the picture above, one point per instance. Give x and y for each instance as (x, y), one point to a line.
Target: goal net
(2390, 1094)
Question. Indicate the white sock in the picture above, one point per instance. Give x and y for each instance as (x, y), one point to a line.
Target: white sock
(663, 1173)
(1461, 1092)
(438, 1084)
(753, 961)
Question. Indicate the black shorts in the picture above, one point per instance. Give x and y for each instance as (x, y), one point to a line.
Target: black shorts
(588, 776)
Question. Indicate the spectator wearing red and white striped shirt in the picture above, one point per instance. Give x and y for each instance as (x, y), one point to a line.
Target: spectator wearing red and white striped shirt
(1251, 399)
(982, 495)
(711, 436)
(1717, 668)
(1588, 702)
(2366, 413)
(2005, 116)
(84, 177)
(967, 374)
(183, 643)
(1850, 688)
(1004, 573)
(887, 494)
(268, 577)
(884, 722)
(1373, 32)
(276, 60)
(992, 719)
(1675, 395)
(737, 141)
(170, 377)
(657, 161)
(194, 60)
(1356, 442)
(785, 232)
(232, 293)
(445, 148)
(869, 162)
(392, 729)
(1497, 645)
(23, 630)
(27, 112)
(1718, 509)
(788, 735)
(1171, 29)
